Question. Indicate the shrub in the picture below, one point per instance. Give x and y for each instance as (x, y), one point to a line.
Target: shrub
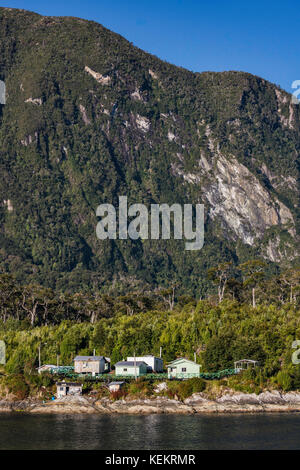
(296, 378)
(185, 388)
(169, 393)
(141, 387)
(198, 384)
(284, 380)
(118, 394)
(17, 386)
(47, 380)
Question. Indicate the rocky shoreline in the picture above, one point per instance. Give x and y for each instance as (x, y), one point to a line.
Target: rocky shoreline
(228, 403)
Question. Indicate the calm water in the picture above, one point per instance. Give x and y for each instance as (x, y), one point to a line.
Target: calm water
(260, 431)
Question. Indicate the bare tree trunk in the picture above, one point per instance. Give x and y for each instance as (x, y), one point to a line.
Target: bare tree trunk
(219, 294)
(93, 317)
(33, 313)
(221, 288)
(253, 297)
(172, 299)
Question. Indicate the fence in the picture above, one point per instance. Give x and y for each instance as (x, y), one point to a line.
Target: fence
(68, 371)
(62, 370)
(218, 375)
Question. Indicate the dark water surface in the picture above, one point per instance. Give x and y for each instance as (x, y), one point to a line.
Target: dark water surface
(169, 432)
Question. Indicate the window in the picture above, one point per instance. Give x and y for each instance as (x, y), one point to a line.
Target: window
(183, 369)
(124, 370)
(61, 389)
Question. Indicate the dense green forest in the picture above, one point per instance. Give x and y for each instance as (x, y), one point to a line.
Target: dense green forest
(90, 117)
(254, 318)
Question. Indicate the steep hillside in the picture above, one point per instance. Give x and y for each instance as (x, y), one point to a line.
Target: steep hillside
(90, 117)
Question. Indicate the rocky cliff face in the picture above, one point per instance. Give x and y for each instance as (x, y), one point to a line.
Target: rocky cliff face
(90, 117)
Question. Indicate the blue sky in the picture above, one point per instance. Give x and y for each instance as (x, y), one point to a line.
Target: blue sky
(260, 37)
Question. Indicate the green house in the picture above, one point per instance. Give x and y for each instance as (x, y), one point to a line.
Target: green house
(183, 368)
(131, 368)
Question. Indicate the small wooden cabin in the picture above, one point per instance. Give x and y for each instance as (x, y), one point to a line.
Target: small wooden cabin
(115, 386)
(244, 364)
(91, 364)
(68, 388)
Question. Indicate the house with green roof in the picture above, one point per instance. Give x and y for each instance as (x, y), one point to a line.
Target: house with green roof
(182, 368)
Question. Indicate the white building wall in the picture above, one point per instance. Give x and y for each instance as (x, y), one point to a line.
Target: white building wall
(156, 363)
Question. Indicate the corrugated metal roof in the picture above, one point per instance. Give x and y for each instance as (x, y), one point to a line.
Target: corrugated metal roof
(147, 355)
(89, 358)
(130, 363)
(116, 383)
(246, 360)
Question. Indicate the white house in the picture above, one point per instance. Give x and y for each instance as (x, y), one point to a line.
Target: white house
(131, 368)
(154, 364)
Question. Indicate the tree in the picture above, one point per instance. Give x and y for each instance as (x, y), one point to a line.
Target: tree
(253, 275)
(8, 292)
(291, 278)
(218, 354)
(234, 288)
(168, 296)
(220, 276)
(32, 299)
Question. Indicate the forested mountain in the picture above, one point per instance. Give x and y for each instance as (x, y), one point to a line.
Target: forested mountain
(90, 117)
